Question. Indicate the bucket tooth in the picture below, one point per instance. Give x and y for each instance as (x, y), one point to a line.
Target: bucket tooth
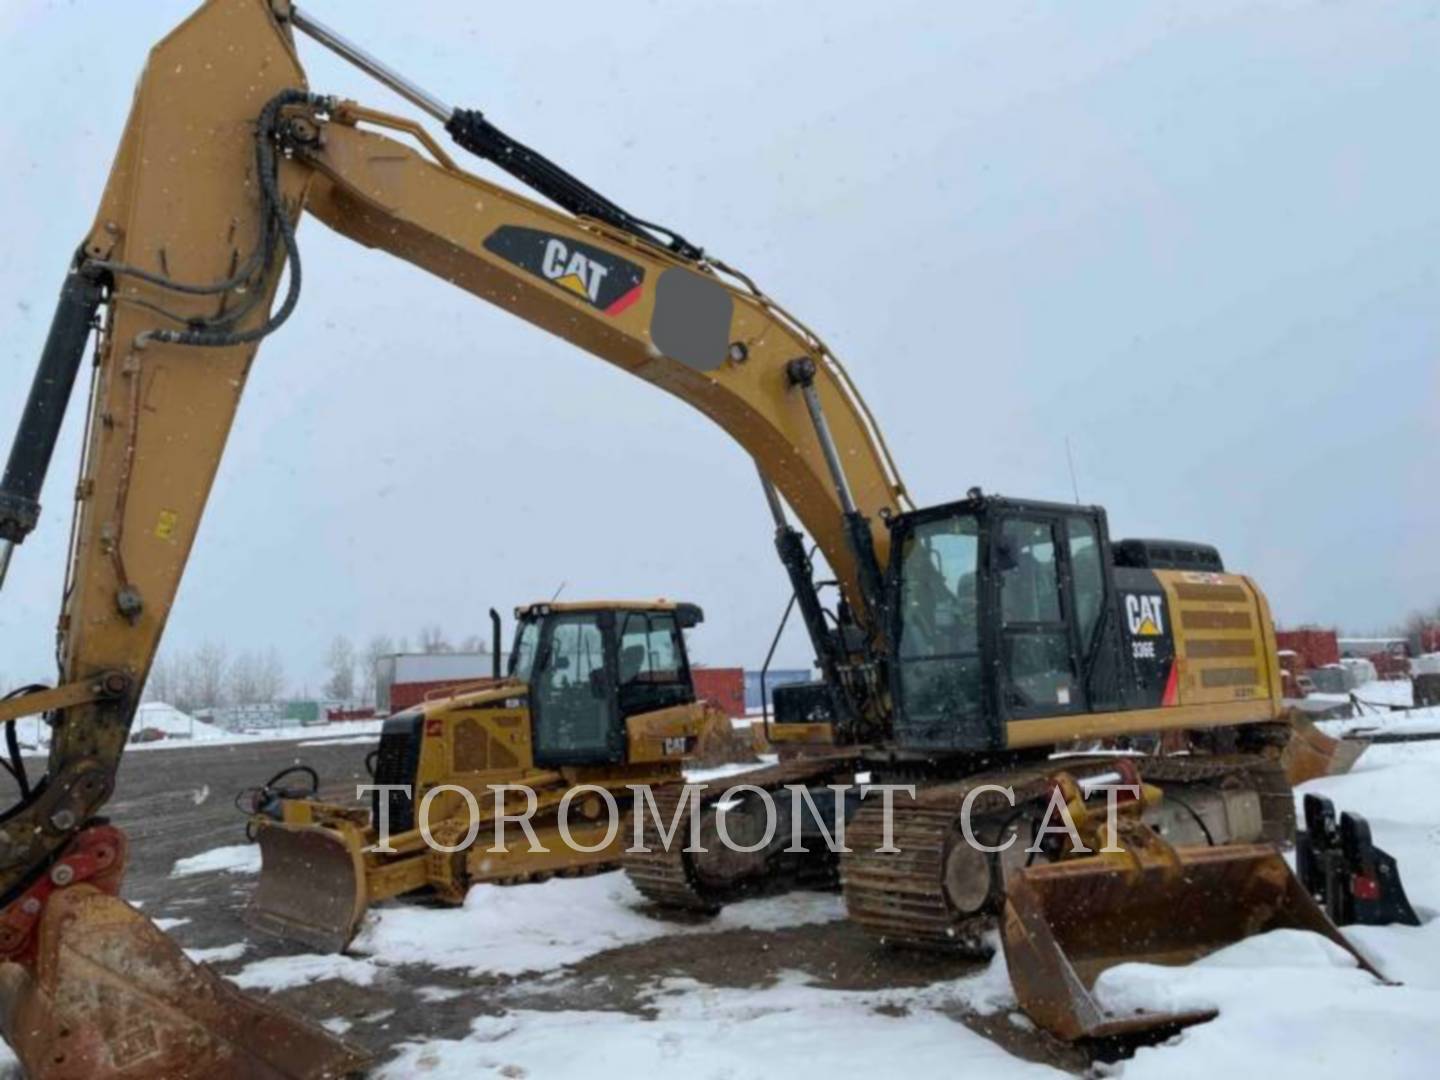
(1068, 921)
(312, 887)
(110, 997)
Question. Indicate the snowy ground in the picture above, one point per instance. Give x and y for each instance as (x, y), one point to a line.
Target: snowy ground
(578, 976)
(183, 730)
(1290, 1003)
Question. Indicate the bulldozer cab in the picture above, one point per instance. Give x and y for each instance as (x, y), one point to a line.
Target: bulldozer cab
(590, 667)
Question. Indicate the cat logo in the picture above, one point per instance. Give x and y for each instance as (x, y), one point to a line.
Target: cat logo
(594, 275)
(1145, 614)
(572, 270)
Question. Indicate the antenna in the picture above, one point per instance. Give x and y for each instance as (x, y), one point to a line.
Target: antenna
(558, 590)
(1070, 460)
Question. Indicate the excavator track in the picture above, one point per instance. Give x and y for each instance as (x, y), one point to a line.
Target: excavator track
(900, 898)
(666, 875)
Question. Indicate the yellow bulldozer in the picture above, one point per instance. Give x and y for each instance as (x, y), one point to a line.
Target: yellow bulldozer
(596, 697)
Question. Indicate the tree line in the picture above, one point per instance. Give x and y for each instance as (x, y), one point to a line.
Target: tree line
(352, 672)
(209, 676)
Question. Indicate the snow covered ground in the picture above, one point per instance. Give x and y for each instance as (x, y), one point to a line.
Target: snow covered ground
(1289, 1003)
(181, 730)
(789, 1029)
(234, 859)
(506, 931)
(1378, 692)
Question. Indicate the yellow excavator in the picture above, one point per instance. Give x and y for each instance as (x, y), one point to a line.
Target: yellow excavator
(970, 640)
(596, 697)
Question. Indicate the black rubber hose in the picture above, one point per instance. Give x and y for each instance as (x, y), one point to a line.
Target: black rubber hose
(16, 765)
(470, 129)
(267, 166)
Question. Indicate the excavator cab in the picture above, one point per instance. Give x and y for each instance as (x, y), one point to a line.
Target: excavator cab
(593, 693)
(1012, 620)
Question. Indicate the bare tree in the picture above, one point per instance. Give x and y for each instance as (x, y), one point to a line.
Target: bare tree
(162, 683)
(271, 676)
(340, 662)
(1417, 623)
(200, 677)
(244, 678)
(433, 640)
(376, 649)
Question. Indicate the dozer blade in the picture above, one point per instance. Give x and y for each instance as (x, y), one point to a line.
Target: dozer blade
(112, 998)
(1068, 921)
(1311, 753)
(312, 886)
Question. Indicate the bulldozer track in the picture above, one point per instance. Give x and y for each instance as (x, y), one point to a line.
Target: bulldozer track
(899, 896)
(664, 874)
(537, 877)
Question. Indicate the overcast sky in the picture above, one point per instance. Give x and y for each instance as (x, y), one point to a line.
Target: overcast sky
(1199, 240)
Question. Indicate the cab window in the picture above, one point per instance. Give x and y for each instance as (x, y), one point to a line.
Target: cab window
(1088, 575)
(574, 718)
(651, 663)
(939, 622)
(649, 650)
(1039, 670)
(522, 657)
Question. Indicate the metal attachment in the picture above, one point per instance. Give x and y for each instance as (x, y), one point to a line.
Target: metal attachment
(772, 499)
(129, 603)
(801, 372)
(64, 820)
(348, 50)
(62, 874)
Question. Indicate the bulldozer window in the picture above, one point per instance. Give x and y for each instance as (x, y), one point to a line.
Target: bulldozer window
(527, 643)
(1035, 640)
(653, 674)
(939, 621)
(574, 719)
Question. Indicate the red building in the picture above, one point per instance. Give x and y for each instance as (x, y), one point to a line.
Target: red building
(723, 687)
(407, 679)
(1314, 646)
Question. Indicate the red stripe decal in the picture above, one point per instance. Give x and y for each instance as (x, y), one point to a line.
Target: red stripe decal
(625, 301)
(1172, 685)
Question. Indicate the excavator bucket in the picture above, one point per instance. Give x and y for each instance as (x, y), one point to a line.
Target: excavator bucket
(1068, 921)
(1311, 753)
(110, 997)
(312, 885)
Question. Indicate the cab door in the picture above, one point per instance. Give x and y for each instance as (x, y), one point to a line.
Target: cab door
(1038, 647)
(574, 718)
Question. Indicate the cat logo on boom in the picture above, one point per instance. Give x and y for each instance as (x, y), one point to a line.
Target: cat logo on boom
(592, 274)
(1145, 614)
(572, 270)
